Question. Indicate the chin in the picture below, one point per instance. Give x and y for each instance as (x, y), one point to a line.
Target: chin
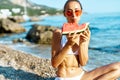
(75, 21)
(72, 21)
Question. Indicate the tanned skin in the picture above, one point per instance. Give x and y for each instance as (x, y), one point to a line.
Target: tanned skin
(71, 65)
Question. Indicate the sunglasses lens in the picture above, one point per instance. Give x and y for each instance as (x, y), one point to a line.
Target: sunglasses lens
(77, 13)
(69, 13)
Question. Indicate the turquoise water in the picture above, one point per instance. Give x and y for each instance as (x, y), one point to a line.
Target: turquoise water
(104, 45)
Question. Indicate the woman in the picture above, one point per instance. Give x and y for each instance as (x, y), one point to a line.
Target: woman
(69, 55)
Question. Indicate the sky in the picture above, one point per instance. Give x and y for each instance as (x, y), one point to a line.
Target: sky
(90, 6)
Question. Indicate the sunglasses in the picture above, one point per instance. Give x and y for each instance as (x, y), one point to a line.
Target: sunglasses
(77, 12)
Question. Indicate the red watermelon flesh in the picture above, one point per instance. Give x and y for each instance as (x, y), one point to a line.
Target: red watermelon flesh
(73, 27)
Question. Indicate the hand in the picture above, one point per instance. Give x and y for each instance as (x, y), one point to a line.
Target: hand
(73, 38)
(85, 36)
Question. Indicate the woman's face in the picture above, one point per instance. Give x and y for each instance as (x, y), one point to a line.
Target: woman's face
(73, 12)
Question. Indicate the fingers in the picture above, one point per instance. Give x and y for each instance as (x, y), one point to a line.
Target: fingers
(71, 34)
(87, 33)
(82, 37)
(85, 36)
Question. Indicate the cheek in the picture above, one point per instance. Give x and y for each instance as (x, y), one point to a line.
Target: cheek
(78, 18)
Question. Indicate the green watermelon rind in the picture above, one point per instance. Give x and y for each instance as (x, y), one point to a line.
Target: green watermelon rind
(77, 31)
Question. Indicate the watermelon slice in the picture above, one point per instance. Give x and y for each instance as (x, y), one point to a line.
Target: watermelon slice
(73, 27)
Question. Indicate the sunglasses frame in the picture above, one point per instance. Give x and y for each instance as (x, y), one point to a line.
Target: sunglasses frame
(71, 12)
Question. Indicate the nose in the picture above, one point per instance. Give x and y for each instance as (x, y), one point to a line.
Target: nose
(73, 14)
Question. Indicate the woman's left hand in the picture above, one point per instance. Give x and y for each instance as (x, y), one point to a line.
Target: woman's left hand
(85, 36)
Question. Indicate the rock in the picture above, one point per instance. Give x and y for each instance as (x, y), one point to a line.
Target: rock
(45, 37)
(2, 77)
(33, 19)
(8, 26)
(17, 19)
(17, 65)
(19, 40)
(40, 34)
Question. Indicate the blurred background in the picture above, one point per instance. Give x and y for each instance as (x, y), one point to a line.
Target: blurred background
(103, 15)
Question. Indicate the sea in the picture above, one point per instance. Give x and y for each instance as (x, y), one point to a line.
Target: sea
(104, 45)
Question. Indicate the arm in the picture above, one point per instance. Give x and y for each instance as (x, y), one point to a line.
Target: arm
(58, 54)
(83, 47)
